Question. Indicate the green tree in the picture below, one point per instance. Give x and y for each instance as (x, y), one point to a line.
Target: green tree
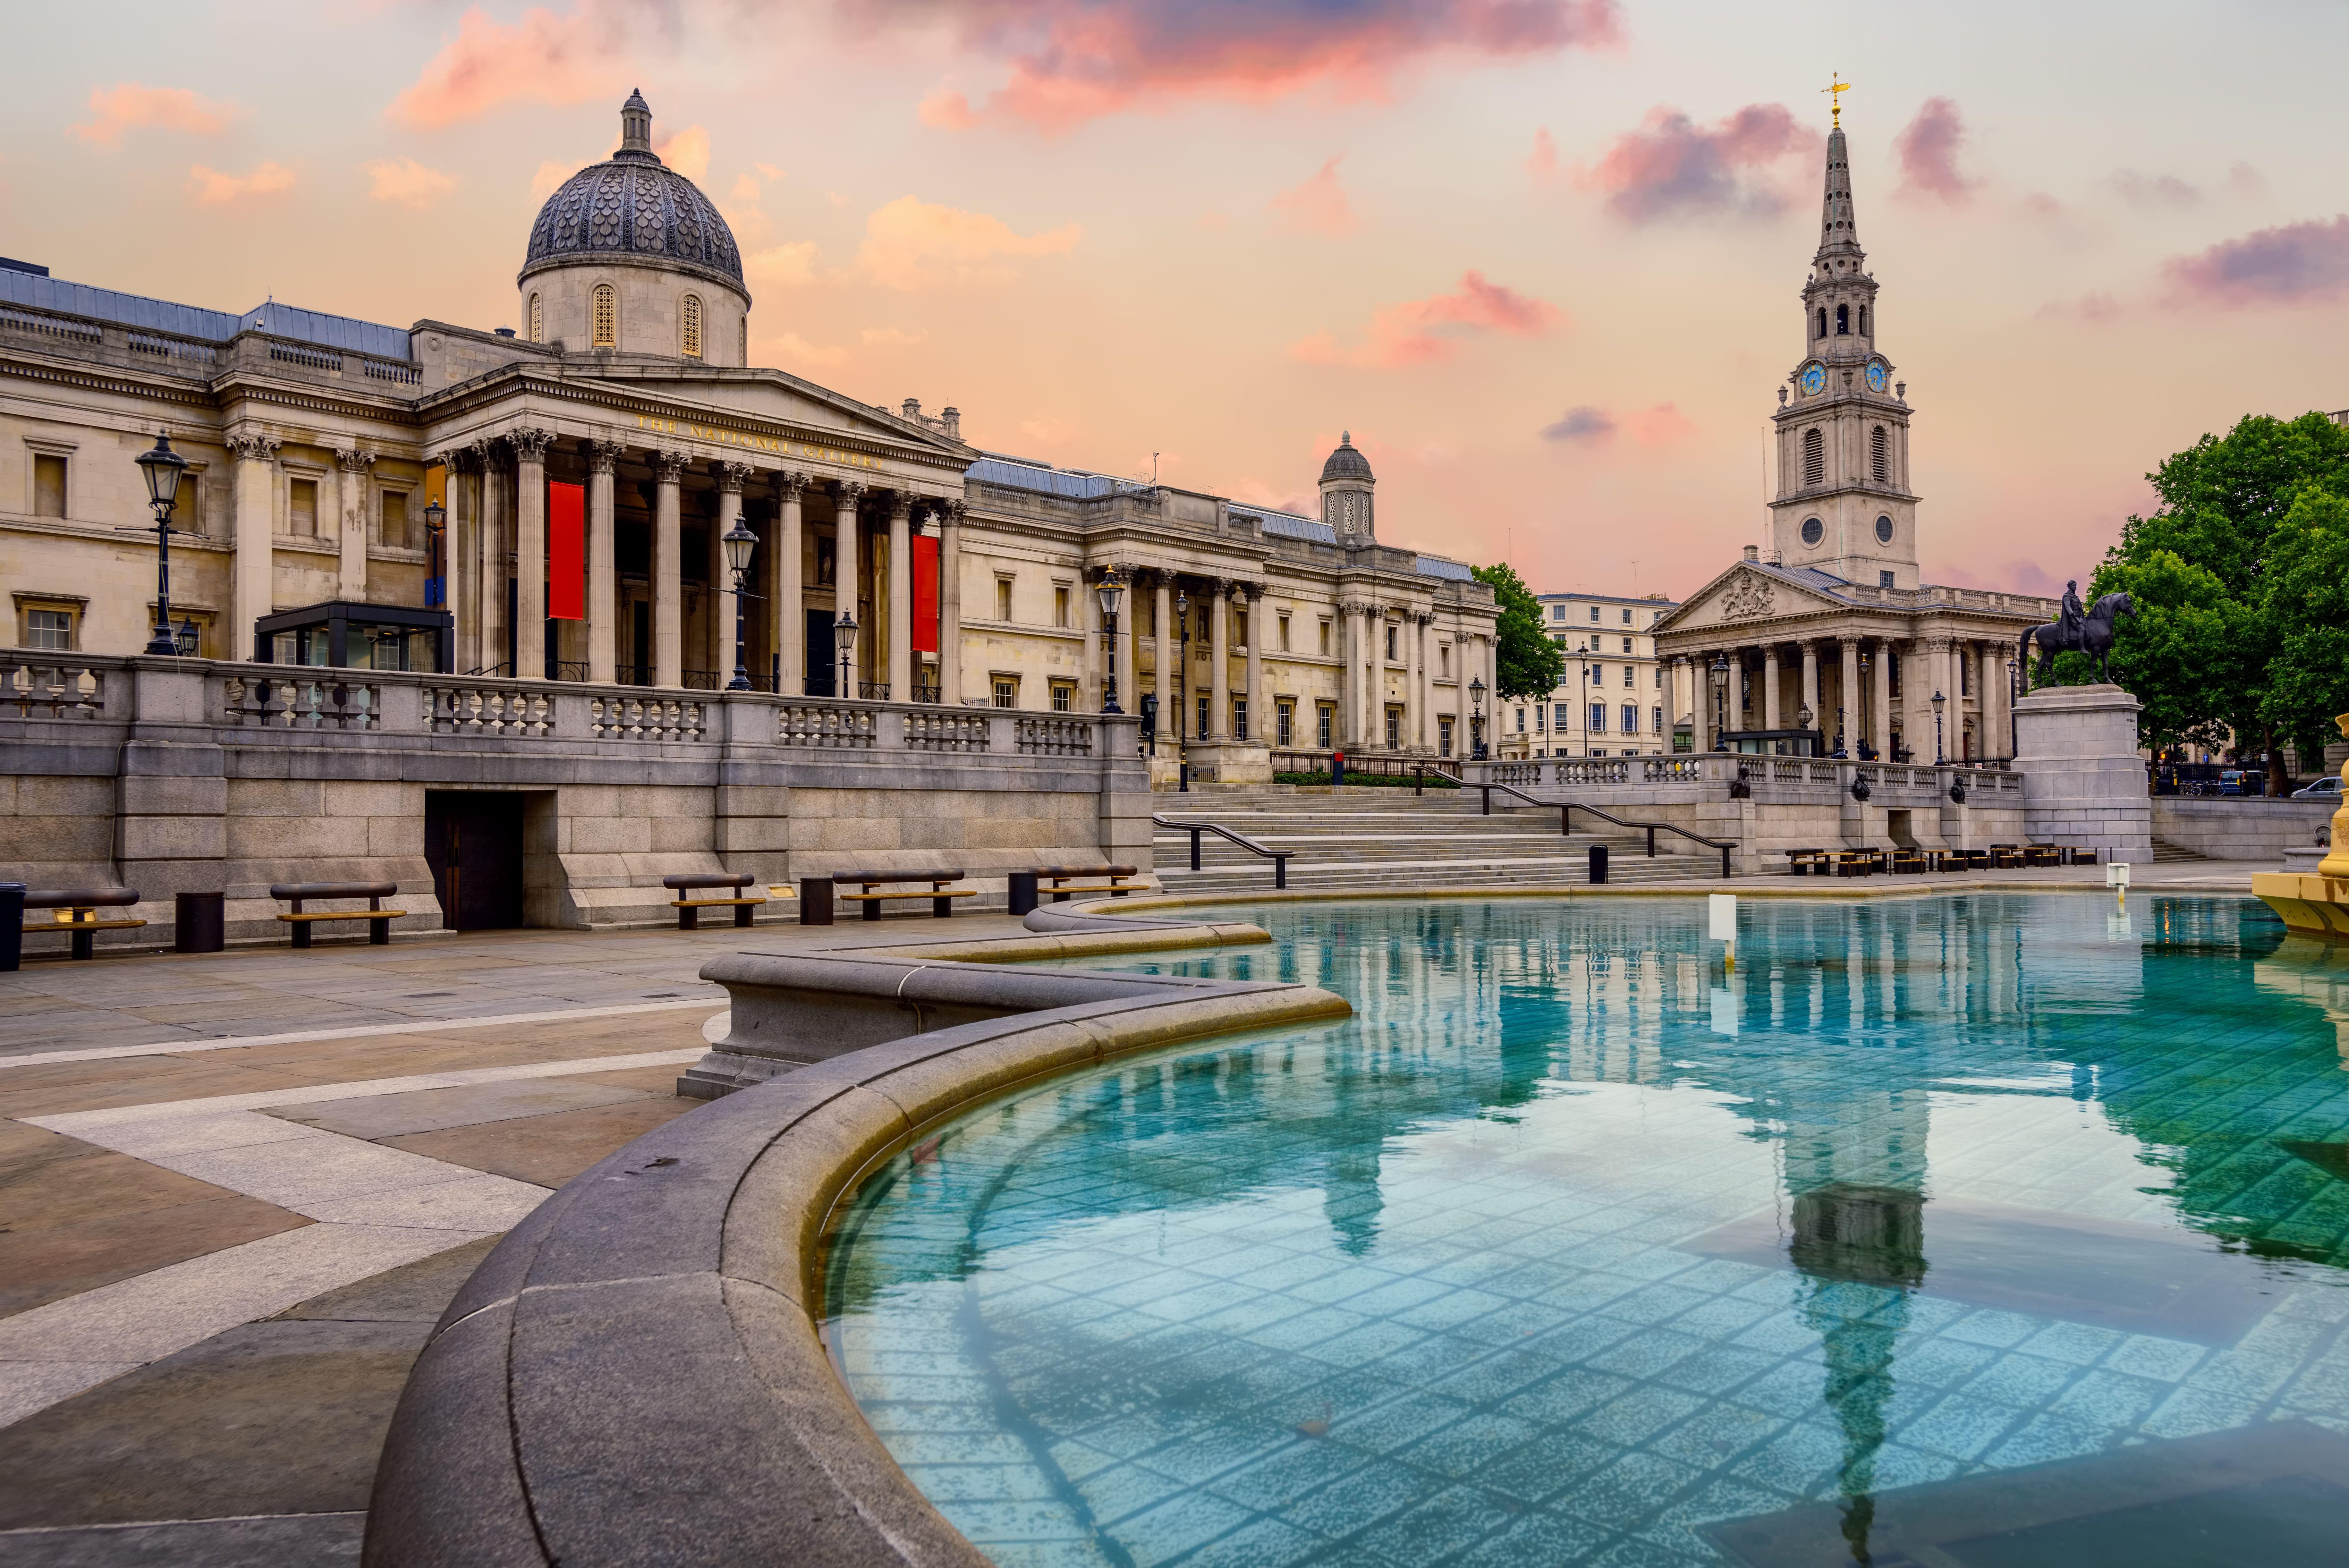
(2305, 592)
(2209, 649)
(1530, 664)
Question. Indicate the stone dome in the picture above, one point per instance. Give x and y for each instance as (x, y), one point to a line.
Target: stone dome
(1347, 461)
(634, 207)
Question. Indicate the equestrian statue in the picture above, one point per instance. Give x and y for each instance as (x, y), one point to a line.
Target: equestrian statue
(2077, 631)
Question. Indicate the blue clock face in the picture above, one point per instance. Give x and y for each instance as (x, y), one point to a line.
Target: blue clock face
(1876, 377)
(1815, 380)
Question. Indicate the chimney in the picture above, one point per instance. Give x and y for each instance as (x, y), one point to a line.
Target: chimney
(913, 411)
(1754, 553)
(952, 418)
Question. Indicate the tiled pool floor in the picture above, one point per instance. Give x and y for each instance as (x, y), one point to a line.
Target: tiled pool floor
(1569, 1248)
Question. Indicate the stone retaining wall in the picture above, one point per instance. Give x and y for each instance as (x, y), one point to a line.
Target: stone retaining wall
(2232, 827)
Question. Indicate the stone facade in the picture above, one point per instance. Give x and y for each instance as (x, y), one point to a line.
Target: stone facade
(1611, 663)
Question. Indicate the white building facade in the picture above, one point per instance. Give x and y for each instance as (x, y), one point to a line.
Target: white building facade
(1613, 700)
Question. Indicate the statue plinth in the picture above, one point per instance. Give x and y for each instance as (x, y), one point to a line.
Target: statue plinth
(2315, 904)
(2084, 783)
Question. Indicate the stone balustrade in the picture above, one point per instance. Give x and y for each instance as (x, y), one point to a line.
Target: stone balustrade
(1789, 780)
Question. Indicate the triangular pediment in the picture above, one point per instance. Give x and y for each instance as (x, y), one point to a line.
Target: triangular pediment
(1748, 593)
(778, 398)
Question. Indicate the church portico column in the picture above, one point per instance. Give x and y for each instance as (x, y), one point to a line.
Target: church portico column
(1219, 662)
(461, 553)
(353, 512)
(1701, 704)
(950, 610)
(667, 570)
(1350, 687)
(1169, 717)
(1992, 684)
(1259, 716)
(1424, 635)
(786, 572)
(253, 586)
(901, 596)
(603, 575)
(1811, 680)
(530, 552)
(1883, 699)
(1770, 658)
(847, 575)
(1847, 695)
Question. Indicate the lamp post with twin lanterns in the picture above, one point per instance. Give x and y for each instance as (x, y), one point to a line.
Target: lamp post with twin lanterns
(737, 543)
(1111, 591)
(436, 579)
(163, 469)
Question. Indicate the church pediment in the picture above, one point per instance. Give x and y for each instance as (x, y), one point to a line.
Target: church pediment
(1748, 593)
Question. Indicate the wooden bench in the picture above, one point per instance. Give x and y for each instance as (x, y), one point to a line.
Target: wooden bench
(1808, 862)
(941, 897)
(1960, 859)
(1061, 881)
(2043, 855)
(377, 918)
(688, 909)
(1906, 861)
(2080, 855)
(2002, 855)
(78, 910)
(1856, 862)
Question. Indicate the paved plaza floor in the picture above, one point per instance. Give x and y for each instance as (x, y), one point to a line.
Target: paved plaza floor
(237, 1189)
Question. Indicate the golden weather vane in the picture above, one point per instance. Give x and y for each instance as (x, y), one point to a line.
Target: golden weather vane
(1835, 90)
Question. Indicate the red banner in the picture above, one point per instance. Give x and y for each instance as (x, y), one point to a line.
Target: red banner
(926, 594)
(566, 551)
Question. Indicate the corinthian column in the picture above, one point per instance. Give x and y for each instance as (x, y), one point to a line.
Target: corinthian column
(1170, 718)
(1423, 684)
(460, 558)
(496, 513)
(1847, 695)
(1811, 680)
(1220, 660)
(253, 588)
(786, 570)
(846, 573)
(668, 573)
(1259, 715)
(603, 575)
(1770, 673)
(353, 511)
(950, 608)
(1350, 690)
(901, 596)
(530, 552)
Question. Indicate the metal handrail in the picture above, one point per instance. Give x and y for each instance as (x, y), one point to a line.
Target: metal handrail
(1279, 858)
(1566, 810)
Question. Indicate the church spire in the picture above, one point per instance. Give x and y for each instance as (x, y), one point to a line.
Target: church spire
(1838, 229)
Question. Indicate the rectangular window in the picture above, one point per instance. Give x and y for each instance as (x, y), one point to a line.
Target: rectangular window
(49, 485)
(1394, 729)
(1240, 719)
(1007, 692)
(1443, 735)
(1558, 612)
(1324, 716)
(1627, 642)
(1003, 598)
(1630, 718)
(1392, 633)
(1593, 614)
(50, 629)
(1630, 675)
(1562, 715)
(1059, 606)
(1065, 696)
(1325, 639)
(391, 528)
(1285, 721)
(1284, 634)
(1444, 660)
(1204, 713)
(1656, 721)
(302, 507)
(1521, 721)
(1627, 622)
(1599, 718)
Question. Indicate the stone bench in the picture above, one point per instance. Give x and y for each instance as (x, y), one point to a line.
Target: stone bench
(377, 918)
(688, 909)
(941, 897)
(78, 910)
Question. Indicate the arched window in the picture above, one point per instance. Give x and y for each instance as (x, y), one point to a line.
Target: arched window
(689, 327)
(1814, 457)
(1843, 320)
(608, 316)
(1823, 321)
(1879, 455)
(537, 320)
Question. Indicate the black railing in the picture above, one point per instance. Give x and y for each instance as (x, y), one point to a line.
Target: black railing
(701, 680)
(567, 670)
(928, 693)
(873, 690)
(1566, 810)
(1279, 858)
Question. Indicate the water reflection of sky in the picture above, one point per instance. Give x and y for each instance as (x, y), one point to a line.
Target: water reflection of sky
(1569, 1247)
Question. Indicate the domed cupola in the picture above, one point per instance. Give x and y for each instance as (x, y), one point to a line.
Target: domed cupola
(630, 257)
(1347, 484)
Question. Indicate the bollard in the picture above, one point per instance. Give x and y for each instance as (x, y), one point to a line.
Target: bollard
(200, 922)
(1597, 863)
(12, 926)
(1336, 769)
(1022, 893)
(815, 900)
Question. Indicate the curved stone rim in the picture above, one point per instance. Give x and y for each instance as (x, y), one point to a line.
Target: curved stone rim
(635, 1374)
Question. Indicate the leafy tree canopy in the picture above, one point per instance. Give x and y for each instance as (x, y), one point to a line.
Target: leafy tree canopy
(1531, 665)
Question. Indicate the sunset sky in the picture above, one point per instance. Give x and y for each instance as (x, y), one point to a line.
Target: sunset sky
(1540, 257)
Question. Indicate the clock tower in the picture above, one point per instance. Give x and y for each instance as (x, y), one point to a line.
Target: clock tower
(1844, 504)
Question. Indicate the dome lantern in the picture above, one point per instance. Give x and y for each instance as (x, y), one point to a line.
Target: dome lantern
(1347, 484)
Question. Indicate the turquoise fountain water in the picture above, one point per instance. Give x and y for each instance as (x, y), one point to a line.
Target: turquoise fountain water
(1571, 1248)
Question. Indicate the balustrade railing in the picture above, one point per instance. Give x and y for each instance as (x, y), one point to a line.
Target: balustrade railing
(949, 729)
(1053, 737)
(32, 687)
(300, 701)
(646, 718)
(834, 726)
(480, 709)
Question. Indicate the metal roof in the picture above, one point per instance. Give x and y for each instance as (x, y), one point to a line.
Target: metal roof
(193, 321)
(1073, 484)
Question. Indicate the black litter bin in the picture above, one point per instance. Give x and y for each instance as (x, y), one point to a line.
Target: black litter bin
(1599, 863)
(1023, 892)
(199, 922)
(12, 926)
(815, 900)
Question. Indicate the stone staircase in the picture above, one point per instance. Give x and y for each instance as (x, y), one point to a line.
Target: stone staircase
(1382, 839)
(2167, 854)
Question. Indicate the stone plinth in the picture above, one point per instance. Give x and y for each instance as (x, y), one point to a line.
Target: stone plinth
(2082, 780)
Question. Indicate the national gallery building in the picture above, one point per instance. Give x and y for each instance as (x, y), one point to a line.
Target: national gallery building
(563, 494)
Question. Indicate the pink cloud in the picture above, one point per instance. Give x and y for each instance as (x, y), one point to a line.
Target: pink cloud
(1319, 204)
(1590, 425)
(127, 106)
(1542, 162)
(1928, 150)
(1071, 61)
(2293, 263)
(212, 187)
(2095, 308)
(543, 59)
(913, 245)
(1672, 166)
(1418, 331)
(407, 183)
(1663, 425)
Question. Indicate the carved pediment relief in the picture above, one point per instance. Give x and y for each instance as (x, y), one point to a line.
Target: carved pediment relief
(1750, 597)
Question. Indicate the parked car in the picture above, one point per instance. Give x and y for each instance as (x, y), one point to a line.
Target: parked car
(2322, 789)
(2243, 781)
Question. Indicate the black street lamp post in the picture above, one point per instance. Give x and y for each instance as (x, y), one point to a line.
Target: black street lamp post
(1720, 702)
(2013, 691)
(843, 635)
(1937, 702)
(1476, 718)
(436, 569)
(1583, 651)
(163, 467)
(1182, 666)
(1111, 591)
(737, 543)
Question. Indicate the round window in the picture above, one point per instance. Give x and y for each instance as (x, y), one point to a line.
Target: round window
(1813, 531)
(1884, 530)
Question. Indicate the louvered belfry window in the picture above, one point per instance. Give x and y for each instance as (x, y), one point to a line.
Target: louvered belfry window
(608, 316)
(537, 319)
(1879, 453)
(689, 328)
(1814, 457)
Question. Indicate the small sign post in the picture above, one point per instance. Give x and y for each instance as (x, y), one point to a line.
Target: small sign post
(1721, 916)
(2116, 879)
